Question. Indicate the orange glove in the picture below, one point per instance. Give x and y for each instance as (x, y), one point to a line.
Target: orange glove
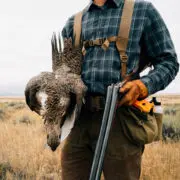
(132, 91)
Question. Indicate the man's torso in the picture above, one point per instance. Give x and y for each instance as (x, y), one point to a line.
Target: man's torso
(102, 67)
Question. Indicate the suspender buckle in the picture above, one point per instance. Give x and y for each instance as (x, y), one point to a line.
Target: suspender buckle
(91, 43)
(124, 58)
(101, 41)
(105, 45)
(83, 51)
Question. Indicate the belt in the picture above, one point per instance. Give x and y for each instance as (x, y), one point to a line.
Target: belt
(95, 103)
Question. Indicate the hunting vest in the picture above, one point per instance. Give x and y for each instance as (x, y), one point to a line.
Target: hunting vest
(121, 40)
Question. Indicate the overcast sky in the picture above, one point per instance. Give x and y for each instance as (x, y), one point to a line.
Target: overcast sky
(26, 27)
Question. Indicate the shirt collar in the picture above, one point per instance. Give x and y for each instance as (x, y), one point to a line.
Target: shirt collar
(117, 3)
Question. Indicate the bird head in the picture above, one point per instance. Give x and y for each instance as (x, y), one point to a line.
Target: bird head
(47, 97)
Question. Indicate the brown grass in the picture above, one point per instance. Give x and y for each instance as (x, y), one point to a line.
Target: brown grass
(161, 161)
(23, 154)
(23, 147)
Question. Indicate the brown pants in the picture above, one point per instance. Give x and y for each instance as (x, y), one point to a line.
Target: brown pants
(122, 160)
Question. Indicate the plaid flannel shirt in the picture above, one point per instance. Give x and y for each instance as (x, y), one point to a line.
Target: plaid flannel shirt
(149, 38)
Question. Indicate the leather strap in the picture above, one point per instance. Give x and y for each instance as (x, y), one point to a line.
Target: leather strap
(108, 41)
(99, 42)
(77, 28)
(123, 35)
(121, 40)
(95, 103)
(103, 42)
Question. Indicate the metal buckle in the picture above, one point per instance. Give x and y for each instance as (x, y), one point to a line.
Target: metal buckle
(83, 51)
(124, 58)
(105, 45)
(101, 41)
(91, 43)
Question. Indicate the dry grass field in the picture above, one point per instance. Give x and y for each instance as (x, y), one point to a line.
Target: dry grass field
(24, 155)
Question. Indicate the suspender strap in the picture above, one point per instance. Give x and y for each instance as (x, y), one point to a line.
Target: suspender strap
(121, 40)
(123, 34)
(77, 28)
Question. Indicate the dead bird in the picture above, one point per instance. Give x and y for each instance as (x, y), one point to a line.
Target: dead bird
(57, 95)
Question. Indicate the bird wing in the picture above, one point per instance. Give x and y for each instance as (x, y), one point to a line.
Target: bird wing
(68, 124)
(56, 51)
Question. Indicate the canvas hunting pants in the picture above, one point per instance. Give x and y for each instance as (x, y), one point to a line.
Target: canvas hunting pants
(122, 160)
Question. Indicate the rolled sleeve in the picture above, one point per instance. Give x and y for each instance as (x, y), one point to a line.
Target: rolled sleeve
(160, 50)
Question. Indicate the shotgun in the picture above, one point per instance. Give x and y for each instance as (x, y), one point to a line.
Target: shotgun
(109, 112)
(112, 98)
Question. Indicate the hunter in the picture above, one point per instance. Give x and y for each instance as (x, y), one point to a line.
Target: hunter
(148, 40)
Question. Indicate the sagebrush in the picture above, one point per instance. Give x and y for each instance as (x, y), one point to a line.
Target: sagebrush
(25, 155)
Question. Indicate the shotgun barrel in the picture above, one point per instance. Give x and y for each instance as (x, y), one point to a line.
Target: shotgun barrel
(99, 144)
(109, 112)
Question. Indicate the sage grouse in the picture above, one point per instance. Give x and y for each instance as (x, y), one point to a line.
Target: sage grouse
(58, 95)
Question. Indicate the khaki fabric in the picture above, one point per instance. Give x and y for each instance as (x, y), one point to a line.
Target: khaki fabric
(159, 120)
(139, 127)
(122, 160)
(123, 35)
(77, 28)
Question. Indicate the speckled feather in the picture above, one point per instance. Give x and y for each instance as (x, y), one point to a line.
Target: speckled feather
(58, 85)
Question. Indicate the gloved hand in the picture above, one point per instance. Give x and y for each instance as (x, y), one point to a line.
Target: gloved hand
(132, 91)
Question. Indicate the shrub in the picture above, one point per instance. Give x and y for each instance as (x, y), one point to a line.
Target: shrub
(16, 105)
(12, 104)
(4, 167)
(25, 116)
(25, 119)
(2, 113)
(171, 122)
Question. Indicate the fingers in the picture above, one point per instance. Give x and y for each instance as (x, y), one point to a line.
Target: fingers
(131, 93)
(126, 87)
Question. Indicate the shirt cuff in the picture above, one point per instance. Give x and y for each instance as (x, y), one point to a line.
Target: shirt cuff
(147, 81)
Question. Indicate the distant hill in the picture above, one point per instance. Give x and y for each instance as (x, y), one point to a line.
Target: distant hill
(12, 90)
(169, 98)
(10, 94)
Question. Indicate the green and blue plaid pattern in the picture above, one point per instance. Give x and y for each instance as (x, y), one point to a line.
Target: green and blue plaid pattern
(149, 38)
